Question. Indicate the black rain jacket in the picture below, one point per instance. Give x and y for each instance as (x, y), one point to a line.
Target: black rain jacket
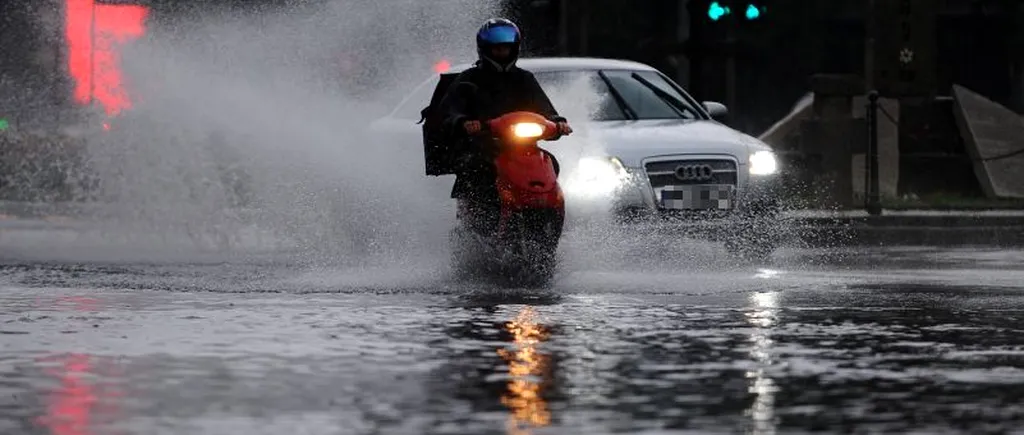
(491, 94)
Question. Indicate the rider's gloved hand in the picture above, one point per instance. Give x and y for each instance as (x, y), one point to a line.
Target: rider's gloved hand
(563, 128)
(472, 127)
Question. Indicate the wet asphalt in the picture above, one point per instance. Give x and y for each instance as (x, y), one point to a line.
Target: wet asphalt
(893, 340)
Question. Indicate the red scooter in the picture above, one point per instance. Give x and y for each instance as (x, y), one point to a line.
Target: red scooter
(532, 208)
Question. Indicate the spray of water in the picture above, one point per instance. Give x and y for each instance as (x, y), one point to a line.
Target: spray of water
(258, 121)
(250, 130)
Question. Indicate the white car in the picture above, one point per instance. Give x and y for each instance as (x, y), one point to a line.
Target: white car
(644, 150)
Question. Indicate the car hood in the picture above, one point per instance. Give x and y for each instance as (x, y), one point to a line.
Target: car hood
(634, 141)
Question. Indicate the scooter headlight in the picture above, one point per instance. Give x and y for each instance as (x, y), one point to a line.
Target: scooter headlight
(528, 130)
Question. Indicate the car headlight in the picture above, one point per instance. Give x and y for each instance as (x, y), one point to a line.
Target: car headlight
(763, 163)
(597, 176)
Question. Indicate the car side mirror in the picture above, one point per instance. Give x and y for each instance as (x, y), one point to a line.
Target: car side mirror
(717, 110)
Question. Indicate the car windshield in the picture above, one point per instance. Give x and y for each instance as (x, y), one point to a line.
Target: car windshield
(610, 95)
(616, 95)
(420, 97)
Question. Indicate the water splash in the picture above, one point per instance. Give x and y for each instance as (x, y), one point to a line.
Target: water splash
(257, 120)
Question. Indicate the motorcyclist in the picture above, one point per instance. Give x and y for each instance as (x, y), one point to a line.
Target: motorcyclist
(498, 87)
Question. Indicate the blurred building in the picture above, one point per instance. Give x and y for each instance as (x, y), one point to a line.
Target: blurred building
(774, 46)
(759, 63)
(34, 87)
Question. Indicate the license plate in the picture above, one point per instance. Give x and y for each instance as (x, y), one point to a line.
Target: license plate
(698, 197)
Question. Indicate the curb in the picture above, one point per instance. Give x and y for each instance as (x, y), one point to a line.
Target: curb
(64, 210)
(809, 228)
(912, 221)
(1003, 228)
(837, 236)
(48, 223)
(849, 232)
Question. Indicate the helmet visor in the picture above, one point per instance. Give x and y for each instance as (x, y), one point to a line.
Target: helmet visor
(500, 35)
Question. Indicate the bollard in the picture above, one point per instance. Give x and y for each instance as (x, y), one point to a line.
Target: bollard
(872, 190)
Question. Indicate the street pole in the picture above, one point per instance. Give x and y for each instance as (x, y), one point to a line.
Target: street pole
(1014, 18)
(870, 36)
(730, 63)
(584, 19)
(871, 197)
(682, 62)
(874, 203)
(563, 26)
(682, 35)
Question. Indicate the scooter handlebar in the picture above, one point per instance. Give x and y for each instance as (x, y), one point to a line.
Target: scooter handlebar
(521, 125)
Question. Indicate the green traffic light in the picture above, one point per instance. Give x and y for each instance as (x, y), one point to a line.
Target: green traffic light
(716, 11)
(4, 125)
(753, 12)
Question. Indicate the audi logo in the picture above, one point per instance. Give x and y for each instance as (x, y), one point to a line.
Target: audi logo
(694, 172)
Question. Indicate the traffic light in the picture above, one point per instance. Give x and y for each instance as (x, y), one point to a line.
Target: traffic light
(716, 11)
(4, 125)
(754, 12)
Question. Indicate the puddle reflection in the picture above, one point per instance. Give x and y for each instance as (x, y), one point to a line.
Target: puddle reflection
(762, 316)
(530, 374)
(76, 405)
(84, 304)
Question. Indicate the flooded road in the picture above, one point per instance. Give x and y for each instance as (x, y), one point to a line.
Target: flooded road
(895, 340)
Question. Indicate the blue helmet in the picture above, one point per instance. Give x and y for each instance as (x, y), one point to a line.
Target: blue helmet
(498, 31)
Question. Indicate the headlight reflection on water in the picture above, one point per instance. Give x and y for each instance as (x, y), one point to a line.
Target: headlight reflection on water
(763, 316)
(528, 368)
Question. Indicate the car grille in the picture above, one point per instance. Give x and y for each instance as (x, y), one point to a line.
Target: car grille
(664, 173)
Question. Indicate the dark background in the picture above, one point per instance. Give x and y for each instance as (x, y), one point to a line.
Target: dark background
(978, 44)
(975, 43)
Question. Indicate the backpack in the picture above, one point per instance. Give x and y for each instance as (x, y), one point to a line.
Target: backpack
(439, 154)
